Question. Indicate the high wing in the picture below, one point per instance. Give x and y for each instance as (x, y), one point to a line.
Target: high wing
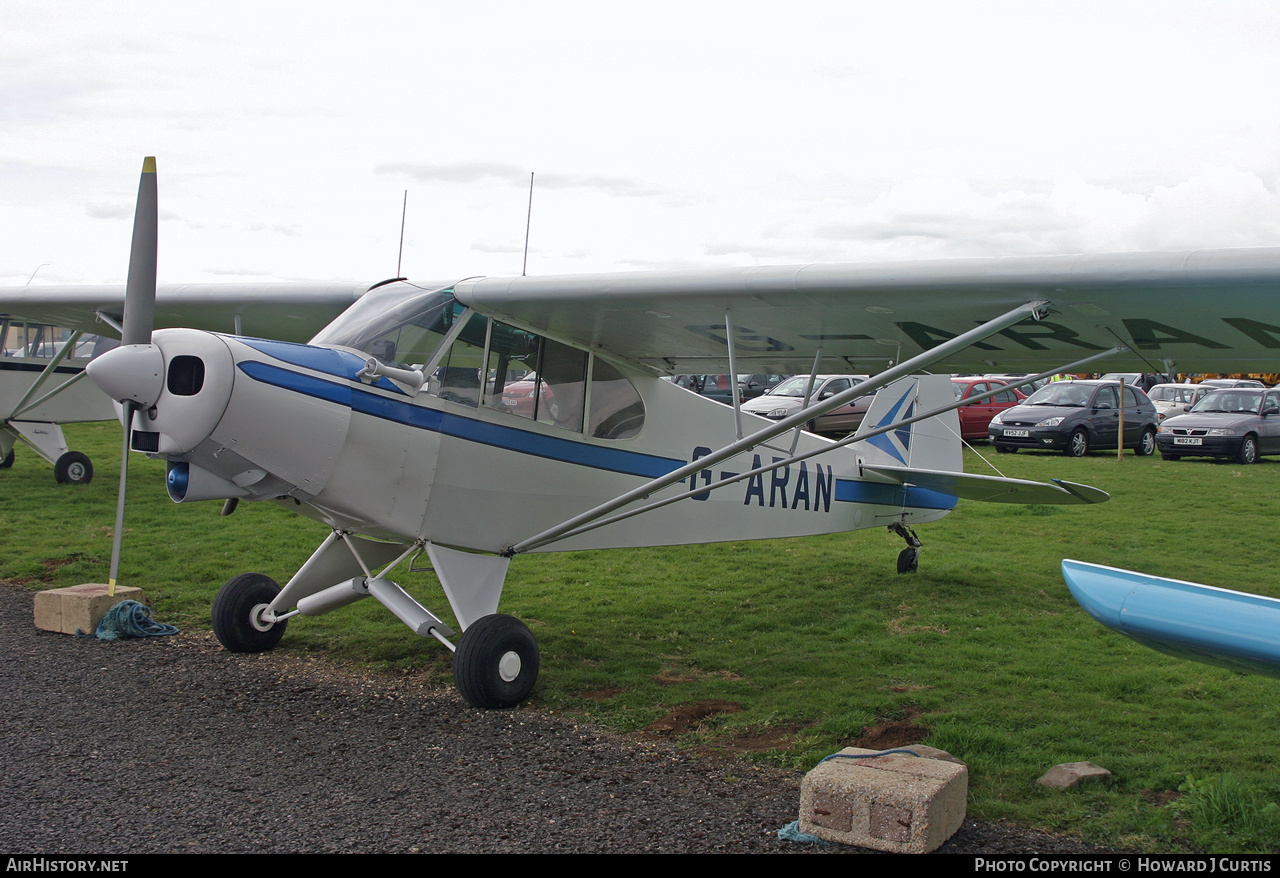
(286, 311)
(1203, 310)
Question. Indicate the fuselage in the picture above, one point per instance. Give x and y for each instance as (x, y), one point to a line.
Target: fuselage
(335, 430)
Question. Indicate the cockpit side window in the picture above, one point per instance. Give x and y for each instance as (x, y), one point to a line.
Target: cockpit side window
(504, 368)
(457, 377)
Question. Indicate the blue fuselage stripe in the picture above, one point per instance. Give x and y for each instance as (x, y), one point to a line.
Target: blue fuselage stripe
(568, 451)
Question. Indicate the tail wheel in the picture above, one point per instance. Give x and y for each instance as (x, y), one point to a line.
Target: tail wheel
(909, 560)
(496, 663)
(238, 619)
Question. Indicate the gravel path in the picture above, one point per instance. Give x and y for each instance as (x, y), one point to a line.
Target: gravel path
(174, 745)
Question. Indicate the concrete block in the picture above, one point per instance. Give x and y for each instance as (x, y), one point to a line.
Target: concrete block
(82, 607)
(899, 803)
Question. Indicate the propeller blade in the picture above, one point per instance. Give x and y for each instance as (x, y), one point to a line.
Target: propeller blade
(140, 289)
(139, 318)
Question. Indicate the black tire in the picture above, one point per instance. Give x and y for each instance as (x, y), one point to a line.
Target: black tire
(496, 663)
(236, 607)
(73, 468)
(1006, 449)
(1146, 444)
(909, 560)
(1168, 455)
(1078, 444)
(8, 460)
(1248, 450)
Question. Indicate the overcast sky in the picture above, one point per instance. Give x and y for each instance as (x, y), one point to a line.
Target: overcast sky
(674, 135)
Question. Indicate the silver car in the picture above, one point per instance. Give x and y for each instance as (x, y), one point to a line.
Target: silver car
(1238, 422)
(788, 397)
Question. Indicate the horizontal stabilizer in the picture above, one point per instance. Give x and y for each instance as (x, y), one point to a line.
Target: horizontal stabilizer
(992, 489)
(1231, 629)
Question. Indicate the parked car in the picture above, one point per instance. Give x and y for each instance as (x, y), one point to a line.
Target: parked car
(1233, 382)
(717, 386)
(1175, 399)
(1074, 416)
(1237, 422)
(518, 396)
(975, 417)
(1025, 389)
(788, 397)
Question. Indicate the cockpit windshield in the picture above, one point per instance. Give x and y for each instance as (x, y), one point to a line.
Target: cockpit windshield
(398, 324)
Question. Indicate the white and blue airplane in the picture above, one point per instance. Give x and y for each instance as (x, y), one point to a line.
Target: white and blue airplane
(473, 419)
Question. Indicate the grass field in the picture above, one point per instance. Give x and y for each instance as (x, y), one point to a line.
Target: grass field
(982, 652)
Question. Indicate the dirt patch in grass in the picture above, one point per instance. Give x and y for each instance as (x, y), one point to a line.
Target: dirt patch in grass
(687, 717)
(600, 694)
(762, 740)
(671, 675)
(899, 733)
(50, 566)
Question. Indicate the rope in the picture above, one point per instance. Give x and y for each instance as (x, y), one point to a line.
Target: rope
(129, 619)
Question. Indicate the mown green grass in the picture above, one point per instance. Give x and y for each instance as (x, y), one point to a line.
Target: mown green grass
(817, 639)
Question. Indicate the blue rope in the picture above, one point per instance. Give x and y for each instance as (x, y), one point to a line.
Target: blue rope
(867, 755)
(129, 619)
(791, 832)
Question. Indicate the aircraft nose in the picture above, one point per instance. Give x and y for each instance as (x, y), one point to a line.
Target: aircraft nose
(130, 373)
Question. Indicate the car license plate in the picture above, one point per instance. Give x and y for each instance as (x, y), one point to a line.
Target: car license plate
(1187, 440)
(1017, 434)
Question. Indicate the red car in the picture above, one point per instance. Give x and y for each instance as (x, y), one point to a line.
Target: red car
(975, 418)
(517, 397)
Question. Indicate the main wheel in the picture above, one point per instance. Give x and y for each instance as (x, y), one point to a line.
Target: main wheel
(7, 461)
(73, 468)
(496, 663)
(1248, 450)
(1078, 444)
(237, 614)
(1147, 444)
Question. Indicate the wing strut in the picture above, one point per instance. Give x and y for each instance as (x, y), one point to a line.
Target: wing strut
(49, 369)
(918, 363)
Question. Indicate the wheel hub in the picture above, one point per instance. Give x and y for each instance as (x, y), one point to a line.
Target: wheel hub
(509, 666)
(260, 618)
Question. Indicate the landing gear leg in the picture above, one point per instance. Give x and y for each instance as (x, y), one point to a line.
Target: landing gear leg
(908, 558)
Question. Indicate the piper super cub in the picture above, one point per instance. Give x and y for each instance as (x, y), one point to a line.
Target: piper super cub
(406, 436)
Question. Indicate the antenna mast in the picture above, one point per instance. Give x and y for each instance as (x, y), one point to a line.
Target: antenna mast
(403, 210)
(528, 220)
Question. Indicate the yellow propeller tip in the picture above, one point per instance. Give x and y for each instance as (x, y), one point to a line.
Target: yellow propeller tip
(149, 165)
